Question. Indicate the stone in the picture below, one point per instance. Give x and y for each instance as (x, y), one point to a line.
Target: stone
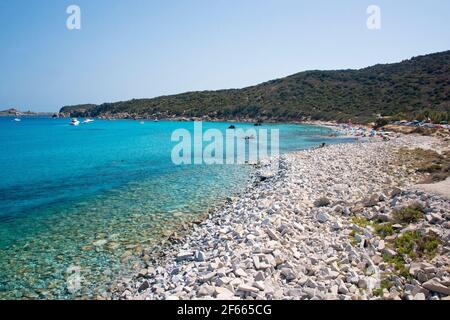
(206, 290)
(272, 234)
(395, 192)
(223, 293)
(299, 227)
(185, 255)
(278, 258)
(372, 201)
(207, 277)
(222, 272)
(224, 296)
(100, 243)
(224, 281)
(416, 267)
(142, 273)
(389, 252)
(336, 225)
(288, 274)
(310, 283)
(199, 256)
(144, 286)
(240, 273)
(334, 290)
(322, 202)
(377, 259)
(126, 256)
(247, 288)
(383, 217)
(323, 217)
(259, 276)
(297, 293)
(434, 285)
(259, 284)
(256, 262)
(434, 218)
(419, 296)
(175, 271)
(362, 283)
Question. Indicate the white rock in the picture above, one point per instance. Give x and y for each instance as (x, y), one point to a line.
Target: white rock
(240, 273)
(222, 293)
(288, 274)
(185, 255)
(100, 243)
(272, 234)
(434, 285)
(342, 289)
(259, 284)
(419, 296)
(381, 245)
(224, 281)
(323, 217)
(259, 276)
(336, 225)
(247, 288)
(199, 256)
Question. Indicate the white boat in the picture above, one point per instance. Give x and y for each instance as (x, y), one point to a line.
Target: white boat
(17, 119)
(88, 120)
(74, 122)
(156, 120)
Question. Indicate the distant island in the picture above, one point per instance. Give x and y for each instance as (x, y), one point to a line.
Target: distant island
(14, 112)
(412, 89)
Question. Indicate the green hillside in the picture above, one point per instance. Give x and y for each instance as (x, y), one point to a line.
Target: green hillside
(412, 88)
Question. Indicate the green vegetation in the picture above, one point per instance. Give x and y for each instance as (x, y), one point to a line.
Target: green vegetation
(384, 229)
(353, 239)
(409, 214)
(384, 284)
(380, 122)
(414, 245)
(423, 115)
(426, 161)
(399, 264)
(415, 88)
(360, 221)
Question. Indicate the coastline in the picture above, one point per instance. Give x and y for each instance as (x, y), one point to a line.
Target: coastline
(277, 242)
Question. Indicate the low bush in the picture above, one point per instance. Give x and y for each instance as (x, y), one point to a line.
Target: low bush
(409, 214)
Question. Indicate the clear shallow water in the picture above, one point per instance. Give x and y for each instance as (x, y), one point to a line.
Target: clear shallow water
(99, 195)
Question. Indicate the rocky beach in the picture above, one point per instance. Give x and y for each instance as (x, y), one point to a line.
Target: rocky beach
(346, 221)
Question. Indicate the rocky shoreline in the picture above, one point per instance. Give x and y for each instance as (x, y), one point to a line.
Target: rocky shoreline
(340, 222)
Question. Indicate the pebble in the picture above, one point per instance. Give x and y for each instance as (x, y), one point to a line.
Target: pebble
(247, 288)
(323, 217)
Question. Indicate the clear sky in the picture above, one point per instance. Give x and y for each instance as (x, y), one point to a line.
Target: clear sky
(145, 48)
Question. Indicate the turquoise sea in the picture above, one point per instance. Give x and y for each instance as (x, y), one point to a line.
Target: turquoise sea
(97, 197)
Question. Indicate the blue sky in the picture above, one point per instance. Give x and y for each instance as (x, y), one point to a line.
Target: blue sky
(143, 48)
